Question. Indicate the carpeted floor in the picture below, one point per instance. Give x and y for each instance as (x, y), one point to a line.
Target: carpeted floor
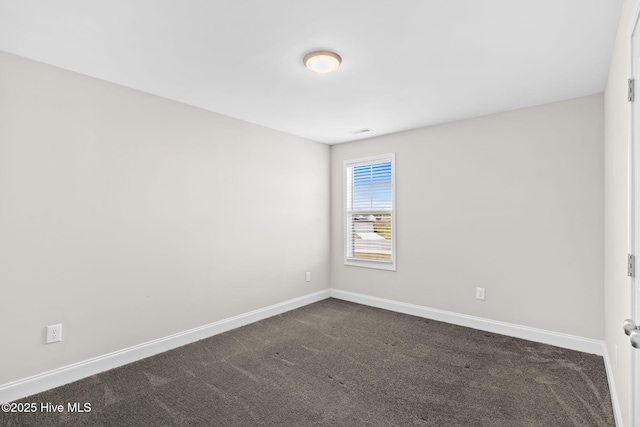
(334, 363)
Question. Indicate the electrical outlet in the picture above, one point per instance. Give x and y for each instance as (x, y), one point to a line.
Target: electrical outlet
(308, 276)
(480, 293)
(54, 333)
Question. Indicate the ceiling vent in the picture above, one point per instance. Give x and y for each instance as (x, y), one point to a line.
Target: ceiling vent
(357, 131)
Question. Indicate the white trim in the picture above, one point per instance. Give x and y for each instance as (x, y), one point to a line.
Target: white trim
(378, 265)
(572, 342)
(617, 414)
(57, 377)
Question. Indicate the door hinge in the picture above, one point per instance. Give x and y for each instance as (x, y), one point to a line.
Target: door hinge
(631, 93)
(631, 265)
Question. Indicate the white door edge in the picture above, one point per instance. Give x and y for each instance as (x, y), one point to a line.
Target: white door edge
(633, 240)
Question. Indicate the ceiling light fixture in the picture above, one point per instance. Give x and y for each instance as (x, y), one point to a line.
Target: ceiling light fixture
(322, 61)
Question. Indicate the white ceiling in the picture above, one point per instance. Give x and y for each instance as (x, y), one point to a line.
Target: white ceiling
(406, 63)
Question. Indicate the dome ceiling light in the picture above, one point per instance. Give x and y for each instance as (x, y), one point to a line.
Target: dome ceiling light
(322, 61)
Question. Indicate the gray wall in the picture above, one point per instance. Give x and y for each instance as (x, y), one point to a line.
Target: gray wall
(128, 217)
(512, 202)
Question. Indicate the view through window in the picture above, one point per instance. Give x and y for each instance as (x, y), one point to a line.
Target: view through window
(370, 212)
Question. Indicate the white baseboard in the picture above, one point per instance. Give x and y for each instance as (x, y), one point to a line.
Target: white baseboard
(48, 380)
(612, 389)
(571, 342)
(55, 378)
(557, 339)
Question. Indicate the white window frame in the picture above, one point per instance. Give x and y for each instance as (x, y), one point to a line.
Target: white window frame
(350, 261)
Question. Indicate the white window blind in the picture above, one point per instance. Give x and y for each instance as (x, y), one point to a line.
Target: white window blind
(370, 212)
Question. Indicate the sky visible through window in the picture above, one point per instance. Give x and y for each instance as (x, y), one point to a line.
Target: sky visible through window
(372, 187)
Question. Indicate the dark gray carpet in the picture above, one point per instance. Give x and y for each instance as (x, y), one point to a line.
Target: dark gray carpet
(343, 364)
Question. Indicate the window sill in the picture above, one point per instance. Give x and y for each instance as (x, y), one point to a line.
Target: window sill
(371, 264)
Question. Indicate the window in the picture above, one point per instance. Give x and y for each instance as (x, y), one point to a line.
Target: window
(370, 212)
